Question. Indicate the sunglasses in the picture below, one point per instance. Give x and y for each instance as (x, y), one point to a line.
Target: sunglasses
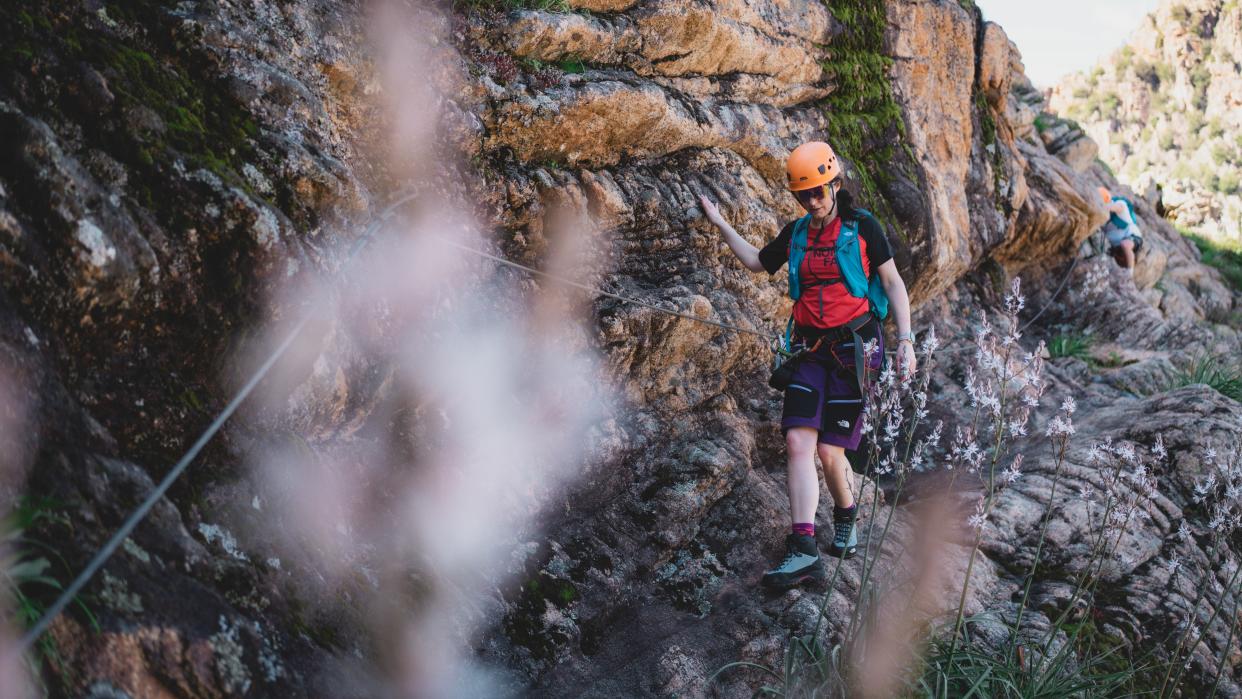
(807, 196)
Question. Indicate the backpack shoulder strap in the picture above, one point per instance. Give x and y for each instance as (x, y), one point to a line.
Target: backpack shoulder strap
(857, 278)
(797, 250)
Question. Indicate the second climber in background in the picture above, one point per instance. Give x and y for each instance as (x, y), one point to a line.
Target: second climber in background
(842, 279)
(1122, 231)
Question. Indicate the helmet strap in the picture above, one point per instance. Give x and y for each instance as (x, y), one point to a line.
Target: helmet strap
(831, 193)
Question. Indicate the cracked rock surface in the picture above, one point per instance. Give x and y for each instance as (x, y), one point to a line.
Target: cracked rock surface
(163, 168)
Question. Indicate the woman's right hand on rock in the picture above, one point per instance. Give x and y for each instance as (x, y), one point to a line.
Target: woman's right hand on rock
(710, 212)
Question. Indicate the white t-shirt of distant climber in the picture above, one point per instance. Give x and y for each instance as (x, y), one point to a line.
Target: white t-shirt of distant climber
(1117, 235)
(1122, 211)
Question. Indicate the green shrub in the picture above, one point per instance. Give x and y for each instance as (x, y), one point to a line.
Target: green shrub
(1147, 72)
(1221, 153)
(1125, 58)
(978, 671)
(1230, 183)
(26, 573)
(1110, 105)
(1213, 371)
(1200, 79)
(1071, 345)
(1165, 73)
(1224, 257)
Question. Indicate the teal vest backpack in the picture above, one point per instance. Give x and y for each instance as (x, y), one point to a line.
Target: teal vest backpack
(849, 259)
(1116, 220)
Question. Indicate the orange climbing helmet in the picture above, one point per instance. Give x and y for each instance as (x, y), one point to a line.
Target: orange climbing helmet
(1106, 195)
(812, 164)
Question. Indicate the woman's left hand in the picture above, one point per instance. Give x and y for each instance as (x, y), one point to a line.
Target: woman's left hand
(906, 363)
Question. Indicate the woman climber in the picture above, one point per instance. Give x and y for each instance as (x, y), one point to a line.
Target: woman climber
(842, 279)
(1121, 229)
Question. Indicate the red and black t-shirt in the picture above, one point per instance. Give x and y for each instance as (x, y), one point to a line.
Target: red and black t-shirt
(825, 302)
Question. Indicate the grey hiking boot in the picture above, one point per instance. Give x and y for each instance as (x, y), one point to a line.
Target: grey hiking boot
(844, 536)
(801, 563)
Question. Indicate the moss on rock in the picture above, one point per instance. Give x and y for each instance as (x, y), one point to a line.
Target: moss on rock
(195, 120)
(865, 123)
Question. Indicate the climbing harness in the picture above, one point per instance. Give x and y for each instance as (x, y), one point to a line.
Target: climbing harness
(785, 362)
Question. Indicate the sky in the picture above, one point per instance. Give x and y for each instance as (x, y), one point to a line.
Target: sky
(1057, 37)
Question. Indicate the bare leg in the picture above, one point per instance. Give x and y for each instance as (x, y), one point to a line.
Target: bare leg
(837, 474)
(1127, 253)
(802, 479)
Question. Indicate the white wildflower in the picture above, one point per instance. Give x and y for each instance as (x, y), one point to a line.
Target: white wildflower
(977, 520)
(1015, 469)
(1217, 523)
(870, 347)
(1014, 300)
(1158, 449)
(1059, 426)
(1205, 487)
(1127, 453)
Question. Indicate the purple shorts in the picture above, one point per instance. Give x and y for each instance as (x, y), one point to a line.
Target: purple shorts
(824, 393)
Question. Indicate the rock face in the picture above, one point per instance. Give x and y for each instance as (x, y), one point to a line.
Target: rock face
(1165, 110)
(165, 168)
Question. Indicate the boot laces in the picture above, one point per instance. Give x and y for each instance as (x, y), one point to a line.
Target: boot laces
(790, 553)
(841, 532)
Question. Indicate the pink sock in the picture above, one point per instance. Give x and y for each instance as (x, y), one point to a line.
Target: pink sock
(805, 528)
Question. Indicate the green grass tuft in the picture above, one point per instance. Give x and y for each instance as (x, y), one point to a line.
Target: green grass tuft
(1075, 345)
(1085, 668)
(1216, 372)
